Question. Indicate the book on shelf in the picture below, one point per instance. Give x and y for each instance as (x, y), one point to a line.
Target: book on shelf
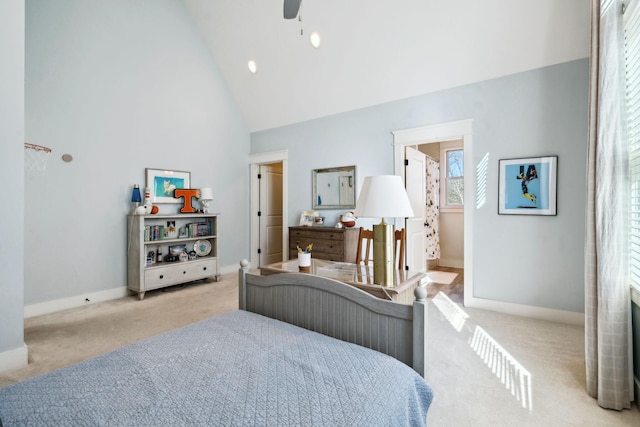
(154, 232)
(193, 229)
(198, 229)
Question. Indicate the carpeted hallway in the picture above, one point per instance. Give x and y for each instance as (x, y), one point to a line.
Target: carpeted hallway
(487, 369)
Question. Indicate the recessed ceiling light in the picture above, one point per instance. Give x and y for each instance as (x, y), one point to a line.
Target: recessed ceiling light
(252, 66)
(314, 38)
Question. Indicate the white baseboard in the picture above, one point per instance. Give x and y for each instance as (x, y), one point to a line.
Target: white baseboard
(53, 306)
(73, 302)
(228, 269)
(451, 262)
(541, 313)
(14, 359)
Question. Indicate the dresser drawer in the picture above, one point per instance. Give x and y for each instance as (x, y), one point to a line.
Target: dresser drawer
(319, 245)
(310, 233)
(179, 272)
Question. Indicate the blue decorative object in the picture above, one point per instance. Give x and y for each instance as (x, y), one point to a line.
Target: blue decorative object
(136, 197)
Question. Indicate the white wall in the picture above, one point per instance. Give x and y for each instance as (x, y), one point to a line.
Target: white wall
(452, 239)
(120, 85)
(13, 352)
(535, 261)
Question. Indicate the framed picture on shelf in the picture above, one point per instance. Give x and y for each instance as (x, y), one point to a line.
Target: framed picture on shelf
(182, 232)
(176, 250)
(171, 231)
(527, 186)
(162, 184)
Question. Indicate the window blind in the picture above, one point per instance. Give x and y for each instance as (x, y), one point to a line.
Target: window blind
(631, 23)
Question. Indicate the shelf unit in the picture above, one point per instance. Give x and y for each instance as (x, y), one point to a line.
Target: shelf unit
(148, 233)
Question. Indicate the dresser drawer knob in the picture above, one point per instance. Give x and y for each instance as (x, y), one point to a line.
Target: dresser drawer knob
(162, 276)
(204, 268)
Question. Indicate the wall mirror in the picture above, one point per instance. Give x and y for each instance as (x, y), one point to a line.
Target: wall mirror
(334, 188)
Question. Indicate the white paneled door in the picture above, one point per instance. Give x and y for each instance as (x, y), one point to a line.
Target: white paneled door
(270, 213)
(415, 182)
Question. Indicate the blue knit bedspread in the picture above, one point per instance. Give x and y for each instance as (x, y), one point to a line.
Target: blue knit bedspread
(234, 369)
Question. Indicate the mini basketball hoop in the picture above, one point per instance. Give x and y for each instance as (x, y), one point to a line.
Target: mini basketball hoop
(36, 156)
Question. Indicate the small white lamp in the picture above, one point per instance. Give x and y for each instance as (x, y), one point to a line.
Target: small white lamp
(206, 196)
(383, 196)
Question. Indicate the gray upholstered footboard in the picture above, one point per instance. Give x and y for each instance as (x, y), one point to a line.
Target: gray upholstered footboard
(341, 311)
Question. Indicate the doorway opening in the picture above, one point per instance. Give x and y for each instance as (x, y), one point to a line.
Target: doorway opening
(415, 137)
(270, 214)
(268, 208)
(444, 217)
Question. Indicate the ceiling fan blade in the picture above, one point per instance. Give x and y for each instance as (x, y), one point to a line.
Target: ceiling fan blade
(291, 8)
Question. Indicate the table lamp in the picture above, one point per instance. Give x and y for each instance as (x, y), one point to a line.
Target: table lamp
(136, 198)
(383, 196)
(206, 196)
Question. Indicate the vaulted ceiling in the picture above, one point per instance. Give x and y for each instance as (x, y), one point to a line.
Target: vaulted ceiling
(375, 51)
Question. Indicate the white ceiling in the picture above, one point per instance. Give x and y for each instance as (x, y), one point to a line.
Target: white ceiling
(375, 51)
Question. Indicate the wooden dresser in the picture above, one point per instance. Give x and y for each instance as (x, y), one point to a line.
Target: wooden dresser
(333, 244)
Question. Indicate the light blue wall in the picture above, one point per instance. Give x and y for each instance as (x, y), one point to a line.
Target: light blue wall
(535, 261)
(120, 85)
(12, 177)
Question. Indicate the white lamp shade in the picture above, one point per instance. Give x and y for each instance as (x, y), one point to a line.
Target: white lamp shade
(383, 196)
(206, 194)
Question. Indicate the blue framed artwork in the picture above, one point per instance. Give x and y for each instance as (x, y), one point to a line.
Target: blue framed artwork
(162, 184)
(528, 186)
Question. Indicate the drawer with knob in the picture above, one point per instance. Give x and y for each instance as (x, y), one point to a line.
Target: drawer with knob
(179, 272)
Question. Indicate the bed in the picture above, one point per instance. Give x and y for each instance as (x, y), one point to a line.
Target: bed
(297, 352)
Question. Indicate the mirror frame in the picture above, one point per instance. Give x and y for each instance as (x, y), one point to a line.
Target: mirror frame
(314, 189)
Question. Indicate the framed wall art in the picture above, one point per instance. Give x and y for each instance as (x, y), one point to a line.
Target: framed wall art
(162, 184)
(528, 186)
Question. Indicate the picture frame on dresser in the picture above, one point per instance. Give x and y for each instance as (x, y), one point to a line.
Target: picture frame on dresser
(308, 218)
(162, 183)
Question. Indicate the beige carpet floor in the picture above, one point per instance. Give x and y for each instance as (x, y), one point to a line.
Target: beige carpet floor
(486, 369)
(70, 336)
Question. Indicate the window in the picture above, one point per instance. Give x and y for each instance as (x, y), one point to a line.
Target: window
(453, 180)
(631, 23)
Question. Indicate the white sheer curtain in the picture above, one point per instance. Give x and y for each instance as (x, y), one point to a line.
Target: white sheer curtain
(607, 298)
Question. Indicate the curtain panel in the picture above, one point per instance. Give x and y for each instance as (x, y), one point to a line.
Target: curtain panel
(432, 224)
(607, 298)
